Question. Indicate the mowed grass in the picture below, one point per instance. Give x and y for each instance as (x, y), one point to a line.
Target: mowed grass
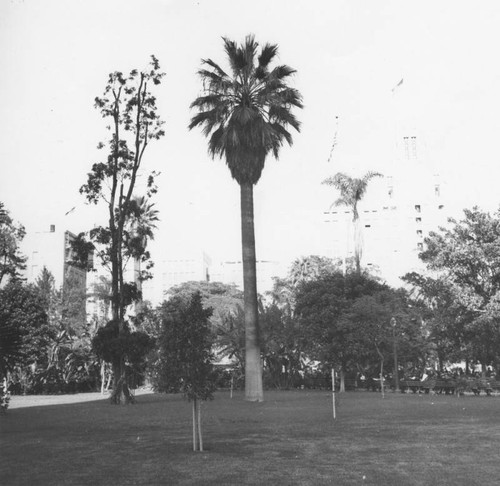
(290, 439)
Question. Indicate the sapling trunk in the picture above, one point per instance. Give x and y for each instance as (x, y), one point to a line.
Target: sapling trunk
(342, 380)
(333, 395)
(382, 378)
(195, 442)
(199, 427)
(381, 370)
(103, 377)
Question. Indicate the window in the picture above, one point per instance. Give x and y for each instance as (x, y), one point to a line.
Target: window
(390, 191)
(413, 147)
(420, 246)
(406, 145)
(437, 190)
(417, 208)
(418, 220)
(368, 225)
(419, 233)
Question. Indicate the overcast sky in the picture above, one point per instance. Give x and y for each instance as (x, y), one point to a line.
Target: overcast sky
(55, 56)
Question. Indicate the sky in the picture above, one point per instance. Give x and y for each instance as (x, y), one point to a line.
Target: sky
(55, 56)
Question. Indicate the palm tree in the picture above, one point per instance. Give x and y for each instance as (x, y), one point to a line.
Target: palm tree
(141, 221)
(352, 191)
(246, 115)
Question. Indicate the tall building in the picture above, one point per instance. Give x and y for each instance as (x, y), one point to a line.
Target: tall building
(198, 266)
(231, 272)
(53, 250)
(397, 213)
(192, 266)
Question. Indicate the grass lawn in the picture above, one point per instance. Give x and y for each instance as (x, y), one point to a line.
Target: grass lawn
(290, 439)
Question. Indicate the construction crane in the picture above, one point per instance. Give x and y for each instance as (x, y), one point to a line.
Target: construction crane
(334, 144)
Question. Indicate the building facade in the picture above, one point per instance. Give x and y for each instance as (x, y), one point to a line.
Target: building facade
(397, 213)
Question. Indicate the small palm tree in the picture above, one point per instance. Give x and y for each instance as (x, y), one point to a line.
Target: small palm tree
(352, 191)
(246, 115)
(141, 223)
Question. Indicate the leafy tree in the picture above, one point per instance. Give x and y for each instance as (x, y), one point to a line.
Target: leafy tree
(130, 109)
(467, 254)
(131, 347)
(382, 322)
(352, 190)
(185, 355)
(322, 305)
(303, 269)
(223, 299)
(70, 362)
(312, 267)
(282, 347)
(227, 318)
(445, 318)
(246, 114)
(12, 262)
(25, 333)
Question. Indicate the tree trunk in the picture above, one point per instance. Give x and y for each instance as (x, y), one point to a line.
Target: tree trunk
(381, 370)
(138, 283)
(200, 437)
(121, 392)
(358, 243)
(103, 377)
(195, 437)
(253, 369)
(342, 380)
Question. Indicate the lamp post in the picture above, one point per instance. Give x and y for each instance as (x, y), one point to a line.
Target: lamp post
(396, 373)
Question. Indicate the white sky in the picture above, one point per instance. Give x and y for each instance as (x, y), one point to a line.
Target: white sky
(55, 56)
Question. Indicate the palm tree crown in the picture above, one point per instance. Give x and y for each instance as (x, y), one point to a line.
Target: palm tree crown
(246, 114)
(352, 189)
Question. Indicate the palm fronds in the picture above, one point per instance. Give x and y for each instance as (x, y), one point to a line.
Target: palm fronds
(246, 115)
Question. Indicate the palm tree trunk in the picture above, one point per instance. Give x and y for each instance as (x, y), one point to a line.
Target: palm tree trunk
(358, 243)
(253, 370)
(138, 283)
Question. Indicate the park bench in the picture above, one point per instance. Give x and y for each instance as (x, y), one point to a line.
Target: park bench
(437, 386)
(447, 387)
(412, 385)
(482, 384)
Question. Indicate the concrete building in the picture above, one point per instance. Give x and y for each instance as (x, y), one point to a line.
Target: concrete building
(198, 266)
(52, 249)
(398, 211)
(231, 272)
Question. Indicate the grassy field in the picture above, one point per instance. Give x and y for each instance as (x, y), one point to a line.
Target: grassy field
(290, 439)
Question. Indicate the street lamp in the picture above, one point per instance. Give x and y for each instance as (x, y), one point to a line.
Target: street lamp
(396, 373)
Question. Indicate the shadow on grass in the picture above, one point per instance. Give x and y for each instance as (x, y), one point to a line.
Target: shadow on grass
(288, 439)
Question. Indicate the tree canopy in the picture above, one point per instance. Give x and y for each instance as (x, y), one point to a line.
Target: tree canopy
(466, 256)
(12, 262)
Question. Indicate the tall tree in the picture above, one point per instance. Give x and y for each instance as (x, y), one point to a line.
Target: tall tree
(12, 262)
(130, 109)
(467, 255)
(246, 115)
(352, 190)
